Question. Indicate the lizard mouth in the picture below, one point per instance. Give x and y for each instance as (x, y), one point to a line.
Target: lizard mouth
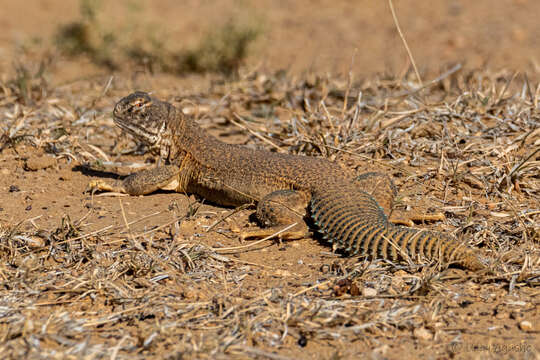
(140, 133)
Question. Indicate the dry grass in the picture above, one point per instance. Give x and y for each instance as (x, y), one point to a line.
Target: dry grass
(466, 144)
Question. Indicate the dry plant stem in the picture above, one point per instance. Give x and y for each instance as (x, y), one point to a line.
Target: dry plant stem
(438, 79)
(264, 354)
(328, 116)
(303, 291)
(364, 157)
(277, 233)
(138, 245)
(254, 133)
(109, 227)
(112, 317)
(231, 213)
(520, 165)
(111, 194)
(404, 42)
(349, 84)
(93, 233)
(99, 151)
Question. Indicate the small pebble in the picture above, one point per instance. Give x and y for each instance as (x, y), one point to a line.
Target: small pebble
(35, 242)
(369, 292)
(302, 340)
(39, 162)
(525, 325)
(282, 273)
(381, 351)
(422, 333)
(325, 268)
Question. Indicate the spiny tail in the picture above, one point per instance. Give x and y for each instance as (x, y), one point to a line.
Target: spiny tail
(357, 225)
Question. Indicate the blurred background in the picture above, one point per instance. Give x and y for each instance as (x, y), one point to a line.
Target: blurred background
(181, 37)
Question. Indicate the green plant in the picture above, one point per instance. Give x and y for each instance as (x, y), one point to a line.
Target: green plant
(87, 37)
(222, 50)
(29, 84)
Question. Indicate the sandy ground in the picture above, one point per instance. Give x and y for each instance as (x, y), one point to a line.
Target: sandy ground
(94, 276)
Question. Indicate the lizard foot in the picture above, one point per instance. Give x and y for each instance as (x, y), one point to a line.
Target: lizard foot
(398, 220)
(427, 217)
(101, 186)
(408, 219)
(282, 214)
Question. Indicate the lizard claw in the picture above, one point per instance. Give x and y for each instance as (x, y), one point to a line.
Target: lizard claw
(408, 219)
(99, 185)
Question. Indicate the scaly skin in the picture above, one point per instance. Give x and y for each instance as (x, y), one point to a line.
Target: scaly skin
(349, 217)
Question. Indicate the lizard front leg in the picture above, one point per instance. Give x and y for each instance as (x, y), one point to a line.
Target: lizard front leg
(165, 177)
(280, 210)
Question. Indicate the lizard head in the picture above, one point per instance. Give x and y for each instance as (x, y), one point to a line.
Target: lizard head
(142, 116)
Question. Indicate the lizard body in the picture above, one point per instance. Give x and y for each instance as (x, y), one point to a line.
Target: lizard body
(287, 187)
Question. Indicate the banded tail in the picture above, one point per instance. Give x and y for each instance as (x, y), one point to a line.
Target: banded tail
(356, 224)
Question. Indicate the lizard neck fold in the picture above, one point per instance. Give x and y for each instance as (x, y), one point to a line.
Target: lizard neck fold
(186, 136)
